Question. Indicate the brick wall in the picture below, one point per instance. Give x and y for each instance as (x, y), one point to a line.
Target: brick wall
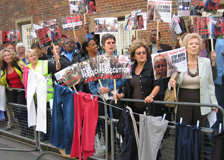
(10, 10)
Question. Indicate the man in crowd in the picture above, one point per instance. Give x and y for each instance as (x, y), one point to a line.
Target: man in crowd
(41, 56)
(157, 47)
(64, 37)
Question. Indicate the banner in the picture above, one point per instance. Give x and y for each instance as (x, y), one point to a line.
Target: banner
(44, 37)
(87, 72)
(69, 76)
(159, 10)
(33, 33)
(183, 7)
(82, 6)
(167, 63)
(53, 26)
(5, 36)
(72, 22)
(105, 25)
(211, 6)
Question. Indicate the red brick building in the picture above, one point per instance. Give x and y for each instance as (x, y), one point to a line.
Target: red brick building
(16, 14)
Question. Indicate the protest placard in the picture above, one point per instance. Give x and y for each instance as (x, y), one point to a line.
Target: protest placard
(33, 33)
(94, 66)
(211, 6)
(124, 66)
(104, 67)
(5, 36)
(167, 63)
(142, 23)
(14, 35)
(134, 18)
(177, 26)
(202, 27)
(72, 22)
(53, 26)
(216, 25)
(87, 72)
(159, 10)
(183, 7)
(128, 22)
(69, 76)
(196, 6)
(44, 37)
(82, 6)
(105, 25)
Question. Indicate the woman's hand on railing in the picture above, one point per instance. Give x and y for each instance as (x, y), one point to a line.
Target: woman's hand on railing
(149, 99)
(118, 96)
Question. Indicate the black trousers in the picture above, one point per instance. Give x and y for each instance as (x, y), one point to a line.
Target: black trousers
(190, 114)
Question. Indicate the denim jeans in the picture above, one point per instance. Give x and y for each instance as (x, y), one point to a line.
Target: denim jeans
(62, 126)
(219, 93)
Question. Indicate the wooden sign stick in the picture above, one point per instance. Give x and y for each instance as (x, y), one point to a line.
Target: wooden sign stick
(102, 86)
(115, 90)
(212, 45)
(84, 18)
(157, 33)
(136, 34)
(74, 88)
(74, 32)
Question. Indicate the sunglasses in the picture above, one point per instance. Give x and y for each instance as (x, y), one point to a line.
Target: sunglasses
(139, 53)
(110, 43)
(162, 65)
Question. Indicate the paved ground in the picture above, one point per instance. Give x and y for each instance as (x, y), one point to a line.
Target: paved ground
(15, 155)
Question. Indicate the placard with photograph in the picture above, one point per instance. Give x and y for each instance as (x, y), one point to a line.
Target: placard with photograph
(82, 6)
(44, 36)
(167, 63)
(105, 25)
(211, 6)
(183, 7)
(159, 10)
(87, 72)
(72, 22)
(69, 76)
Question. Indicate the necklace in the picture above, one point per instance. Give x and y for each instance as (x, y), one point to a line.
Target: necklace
(193, 75)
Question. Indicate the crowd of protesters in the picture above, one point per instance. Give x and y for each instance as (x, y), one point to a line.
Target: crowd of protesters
(202, 83)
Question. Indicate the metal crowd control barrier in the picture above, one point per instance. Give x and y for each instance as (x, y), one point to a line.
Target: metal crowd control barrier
(169, 140)
(16, 131)
(35, 137)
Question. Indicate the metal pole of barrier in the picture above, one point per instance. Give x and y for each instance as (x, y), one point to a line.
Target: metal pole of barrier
(178, 103)
(112, 132)
(18, 136)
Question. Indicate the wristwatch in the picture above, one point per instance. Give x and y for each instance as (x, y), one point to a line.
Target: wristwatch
(152, 96)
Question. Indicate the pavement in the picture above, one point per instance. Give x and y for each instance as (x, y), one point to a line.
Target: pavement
(21, 155)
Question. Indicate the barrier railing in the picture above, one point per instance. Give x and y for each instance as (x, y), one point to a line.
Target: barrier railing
(115, 143)
(35, 137)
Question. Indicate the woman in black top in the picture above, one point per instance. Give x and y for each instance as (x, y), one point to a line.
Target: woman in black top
(142, 85)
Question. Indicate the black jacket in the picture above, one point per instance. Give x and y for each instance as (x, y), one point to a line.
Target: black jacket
(65, 63)
(164, 47)
(147, 83)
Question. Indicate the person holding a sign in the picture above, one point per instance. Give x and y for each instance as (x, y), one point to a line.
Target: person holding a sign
(143, 84)
(108, 43)
(195, 85)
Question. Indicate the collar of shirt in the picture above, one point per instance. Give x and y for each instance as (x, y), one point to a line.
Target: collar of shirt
(154, 48)
(114, 53)
(69, 55)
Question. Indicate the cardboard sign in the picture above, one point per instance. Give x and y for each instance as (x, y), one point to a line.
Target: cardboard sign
(33, 33)
(167, 63)
(183, 7)
(87, 72)
(211, 6)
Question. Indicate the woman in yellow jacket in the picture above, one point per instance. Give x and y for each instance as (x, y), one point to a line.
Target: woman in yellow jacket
(11, 76)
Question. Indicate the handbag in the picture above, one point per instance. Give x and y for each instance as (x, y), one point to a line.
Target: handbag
(170, 96)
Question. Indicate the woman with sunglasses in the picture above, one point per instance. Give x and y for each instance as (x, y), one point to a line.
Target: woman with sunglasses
(108, 43)
(142, 85)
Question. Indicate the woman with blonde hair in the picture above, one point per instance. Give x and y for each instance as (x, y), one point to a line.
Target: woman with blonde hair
(11, 76)
(195, 85)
